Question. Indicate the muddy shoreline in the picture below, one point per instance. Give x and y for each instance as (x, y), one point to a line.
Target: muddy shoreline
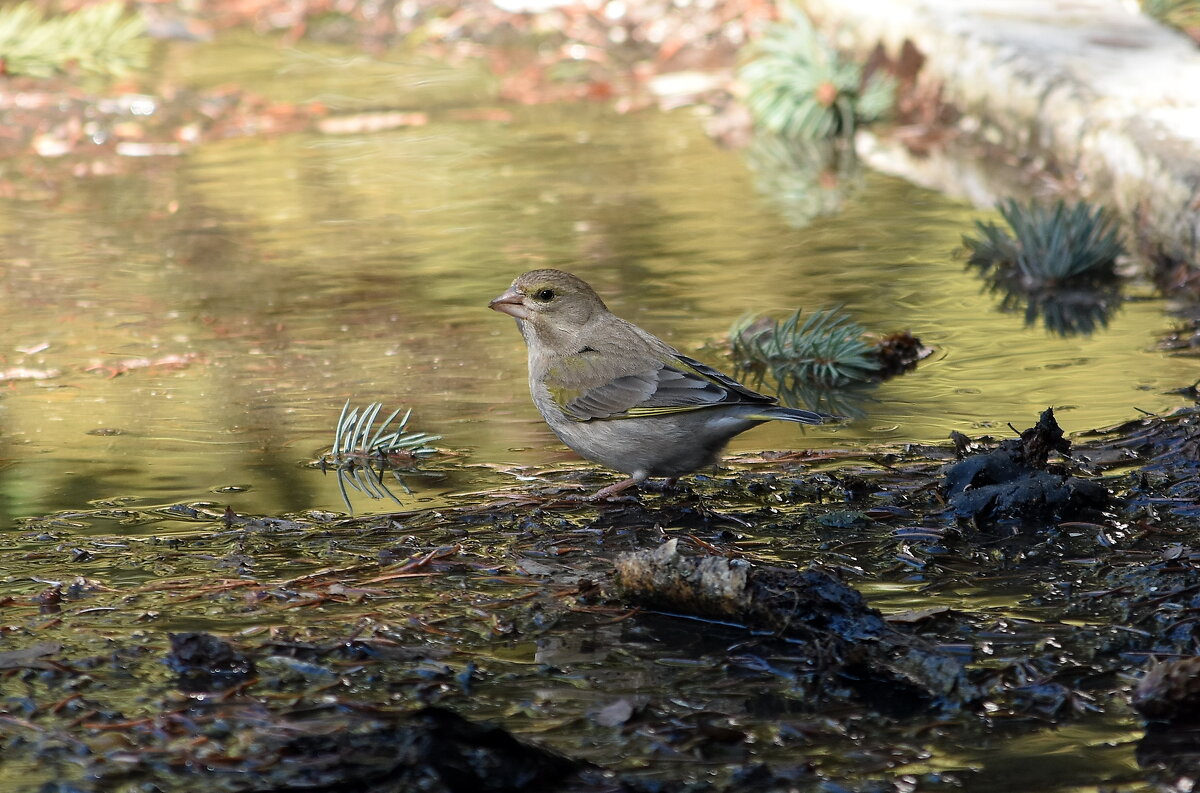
(504, 611)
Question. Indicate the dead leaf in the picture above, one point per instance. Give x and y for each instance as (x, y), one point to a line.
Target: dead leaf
(615, 714)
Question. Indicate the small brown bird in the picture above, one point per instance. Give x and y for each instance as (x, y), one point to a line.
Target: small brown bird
(619, 395)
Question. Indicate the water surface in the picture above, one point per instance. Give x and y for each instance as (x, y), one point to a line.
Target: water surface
(268, 279)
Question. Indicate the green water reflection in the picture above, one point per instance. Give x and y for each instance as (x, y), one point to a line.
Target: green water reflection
(290, 273)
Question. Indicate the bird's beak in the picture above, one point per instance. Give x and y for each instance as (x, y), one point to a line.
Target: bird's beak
(512, 303)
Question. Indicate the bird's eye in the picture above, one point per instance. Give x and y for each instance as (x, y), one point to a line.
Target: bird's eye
(543, 295)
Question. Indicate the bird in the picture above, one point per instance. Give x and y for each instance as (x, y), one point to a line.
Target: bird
(620, 396)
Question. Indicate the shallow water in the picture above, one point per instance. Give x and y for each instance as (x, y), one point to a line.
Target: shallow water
(287, 274)
(208, 315)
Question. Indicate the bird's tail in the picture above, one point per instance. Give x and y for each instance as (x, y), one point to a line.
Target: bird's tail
(780, 413)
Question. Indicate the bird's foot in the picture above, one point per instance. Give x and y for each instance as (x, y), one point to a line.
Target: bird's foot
(607, 493)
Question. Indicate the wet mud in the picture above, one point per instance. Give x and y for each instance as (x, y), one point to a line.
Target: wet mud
(815, 621)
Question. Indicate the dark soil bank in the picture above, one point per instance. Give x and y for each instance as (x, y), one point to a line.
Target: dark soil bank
(527, 641)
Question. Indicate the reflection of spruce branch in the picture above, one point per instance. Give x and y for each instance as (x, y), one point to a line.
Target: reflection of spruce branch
(803, 179)
(1063, 311)
(1058, 263)
(799, 87)
(846, 400)
(362, 450)
(98, 39)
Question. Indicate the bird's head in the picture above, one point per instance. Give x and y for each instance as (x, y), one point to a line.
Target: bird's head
(550, 300)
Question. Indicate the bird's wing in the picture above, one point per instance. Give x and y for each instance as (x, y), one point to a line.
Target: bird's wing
(663, 383)
(720, 378)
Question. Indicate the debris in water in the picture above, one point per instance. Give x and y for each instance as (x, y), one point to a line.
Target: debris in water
(830, 618)
(1013, 481)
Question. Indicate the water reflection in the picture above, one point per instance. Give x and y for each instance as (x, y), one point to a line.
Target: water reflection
(1064, 310)
(1173, 748)
(849, 400)
(803, 179)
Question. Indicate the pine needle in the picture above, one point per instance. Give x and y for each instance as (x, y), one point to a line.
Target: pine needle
(364, 448)
(826, 348)
(97, 39)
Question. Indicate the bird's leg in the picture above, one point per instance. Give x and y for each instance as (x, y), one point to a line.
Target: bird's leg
(612, 490)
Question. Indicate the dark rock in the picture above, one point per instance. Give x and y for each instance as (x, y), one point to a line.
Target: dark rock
(207, 663)
(1034, 495)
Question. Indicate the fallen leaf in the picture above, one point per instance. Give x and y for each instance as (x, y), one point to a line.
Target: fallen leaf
(615, 714)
